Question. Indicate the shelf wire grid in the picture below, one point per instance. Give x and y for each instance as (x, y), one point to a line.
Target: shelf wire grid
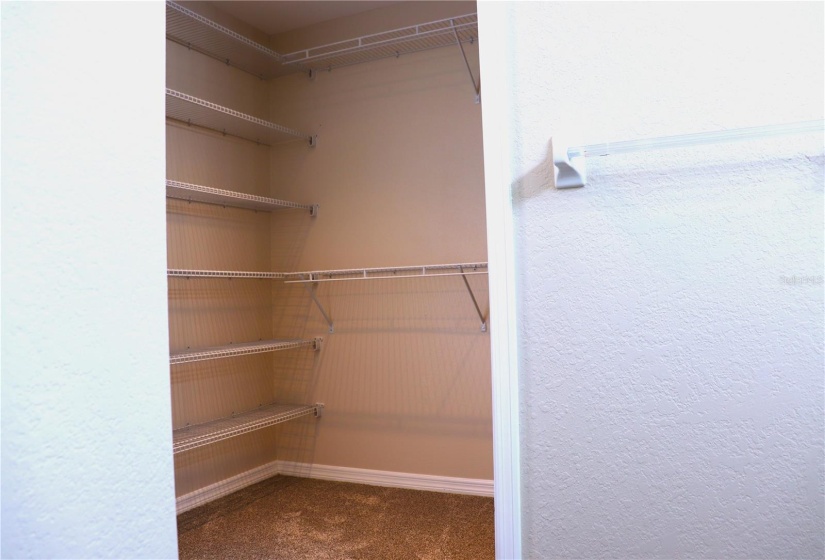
(196, 32)
(211, 195)
(187, 273)
(461, 269)
(199, 435)
(240, 349)
(193, 110)
(394, 43)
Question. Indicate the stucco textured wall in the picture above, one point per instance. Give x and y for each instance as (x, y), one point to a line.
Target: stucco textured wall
(671, 312)
(87, 434)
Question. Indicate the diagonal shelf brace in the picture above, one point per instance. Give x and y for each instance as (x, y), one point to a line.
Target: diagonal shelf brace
(475, 303)
(477, 88)
(320, 307)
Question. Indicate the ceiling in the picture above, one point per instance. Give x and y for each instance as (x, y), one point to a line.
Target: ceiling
(277, 16)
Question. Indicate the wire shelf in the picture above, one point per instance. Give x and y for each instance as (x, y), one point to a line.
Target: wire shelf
(240, 349)
(210, 195)
(432, 270)
(196, 32)
(199, 435)
(193, 110)
(406, 40)
(179, 272)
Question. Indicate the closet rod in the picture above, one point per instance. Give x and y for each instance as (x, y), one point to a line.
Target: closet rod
(571, 169)
(696, 139)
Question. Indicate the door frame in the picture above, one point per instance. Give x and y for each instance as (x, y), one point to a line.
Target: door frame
(492, 27)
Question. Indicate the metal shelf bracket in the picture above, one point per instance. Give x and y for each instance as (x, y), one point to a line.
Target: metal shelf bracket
(475, 302)
(318, 343)
(319, 409)
(311, 289)
(476, 87)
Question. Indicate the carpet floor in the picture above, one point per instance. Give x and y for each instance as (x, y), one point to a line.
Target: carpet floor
(302, 518)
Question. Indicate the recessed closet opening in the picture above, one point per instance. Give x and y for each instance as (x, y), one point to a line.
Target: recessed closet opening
(328, 294)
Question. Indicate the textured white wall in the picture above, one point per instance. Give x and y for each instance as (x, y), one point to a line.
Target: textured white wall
(671, 369)
(86, 449)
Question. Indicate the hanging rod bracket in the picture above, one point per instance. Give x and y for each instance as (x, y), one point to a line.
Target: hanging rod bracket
(568, 173)
(317, 343)
(319, 409)
(313, 141)
(475, 302)
(311, 288)
(313, 210)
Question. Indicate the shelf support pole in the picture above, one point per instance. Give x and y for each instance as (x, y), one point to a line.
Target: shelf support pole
(320, 307)
(477, 88)
(475, 303)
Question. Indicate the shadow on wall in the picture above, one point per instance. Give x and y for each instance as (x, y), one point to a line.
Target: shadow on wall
(407, 357)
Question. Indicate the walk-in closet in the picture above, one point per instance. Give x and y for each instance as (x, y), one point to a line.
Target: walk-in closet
(327, 275)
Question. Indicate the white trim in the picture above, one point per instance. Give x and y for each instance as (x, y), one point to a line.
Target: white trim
(448, 484)
(226, 486)
(431, 483)
(495, 26)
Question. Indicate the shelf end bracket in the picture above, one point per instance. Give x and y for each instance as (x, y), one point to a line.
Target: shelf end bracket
(320, 307)
(475, 302)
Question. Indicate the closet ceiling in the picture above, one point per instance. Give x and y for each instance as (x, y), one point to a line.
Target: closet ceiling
(274, 17)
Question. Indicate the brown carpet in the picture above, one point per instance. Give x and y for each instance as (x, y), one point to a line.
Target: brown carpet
(302, 518)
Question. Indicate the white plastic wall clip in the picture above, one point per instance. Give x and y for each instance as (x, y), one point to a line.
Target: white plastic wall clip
(568, 174)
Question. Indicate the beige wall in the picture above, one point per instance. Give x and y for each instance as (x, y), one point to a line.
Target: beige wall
(398, 175)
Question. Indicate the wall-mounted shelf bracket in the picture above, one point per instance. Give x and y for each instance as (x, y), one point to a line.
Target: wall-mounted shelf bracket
(313, 141)
(317, 343)
(311, 289)
(476, 86)
(313, 210)
(319, 409)
(475, 302)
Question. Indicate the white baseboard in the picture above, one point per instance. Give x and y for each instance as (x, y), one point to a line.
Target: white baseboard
(451, 485)
(226, 486)
(448, 484)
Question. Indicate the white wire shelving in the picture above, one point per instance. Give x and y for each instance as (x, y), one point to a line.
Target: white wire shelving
(189, 273)
(194, 31)
(241, 349)
(211, 195)
(394, 43)
(431, 270)
(312, 279)
(207, 433)
(193, 110)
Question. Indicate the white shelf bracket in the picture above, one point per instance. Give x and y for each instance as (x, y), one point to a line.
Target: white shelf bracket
(319, 409)
(318, 344)
(311, 289)
(313, 210)
(476, 87)
(313, 141)
(568, 173)
(475, 302)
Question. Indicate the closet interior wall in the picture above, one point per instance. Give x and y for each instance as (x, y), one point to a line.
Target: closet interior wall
(398, 175)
